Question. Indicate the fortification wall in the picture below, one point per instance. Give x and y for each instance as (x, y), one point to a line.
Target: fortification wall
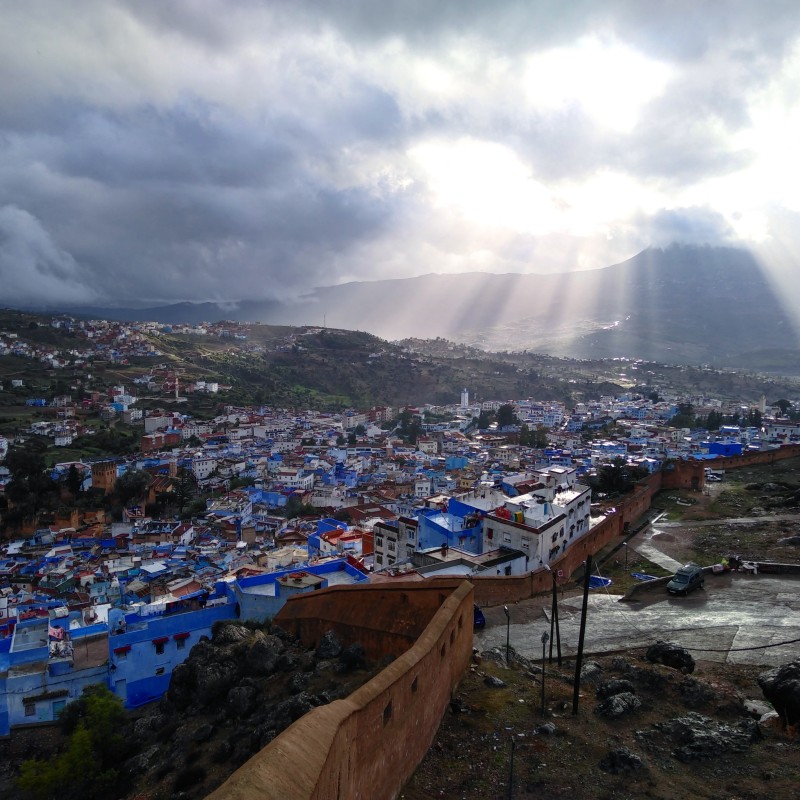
(754, 459)
(367, 746)
(385, 618)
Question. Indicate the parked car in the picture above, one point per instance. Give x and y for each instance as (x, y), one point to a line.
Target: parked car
(478, 620)
(685, 579)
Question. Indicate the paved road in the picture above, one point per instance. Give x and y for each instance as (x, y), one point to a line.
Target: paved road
(734, 611)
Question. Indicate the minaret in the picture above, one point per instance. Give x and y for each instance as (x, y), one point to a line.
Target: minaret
(464, 399)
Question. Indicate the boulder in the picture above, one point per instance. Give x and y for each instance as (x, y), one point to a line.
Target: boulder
(263, 654)
(493, 682)
(671, 655)
(329, 646)
(620, 760)
(781, 686)
(698, 737)
(241, 700)
(286, 662)
(612, 687)
(353, 656)
(214, 679)
(299, 681)
(618, 705)
(548, 729)
(591, 673)
(230, 633)
(696, 693)
(203, 733)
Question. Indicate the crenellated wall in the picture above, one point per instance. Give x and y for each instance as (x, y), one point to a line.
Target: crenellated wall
(367, 746)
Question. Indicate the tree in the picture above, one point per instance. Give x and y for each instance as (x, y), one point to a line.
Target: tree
(183, 488)
(783, 405)
(506, 416)
(131, 485)
(685, 416)
(754, 418)
(295, 507)
(73, 481)
(617, 477)
(536, 437)
(31, 488)
(714, 420)
(96, 747)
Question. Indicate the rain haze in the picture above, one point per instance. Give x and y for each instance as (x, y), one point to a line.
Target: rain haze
(156, 152)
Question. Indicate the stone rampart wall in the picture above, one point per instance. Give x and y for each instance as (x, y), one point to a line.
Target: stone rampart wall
(367, 746)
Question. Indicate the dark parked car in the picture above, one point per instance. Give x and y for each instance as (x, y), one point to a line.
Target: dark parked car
(478, 620)
(685, 579)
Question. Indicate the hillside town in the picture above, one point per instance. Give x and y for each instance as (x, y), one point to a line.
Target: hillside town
(227, 517)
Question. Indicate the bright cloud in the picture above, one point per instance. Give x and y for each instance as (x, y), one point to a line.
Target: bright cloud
(217, 150)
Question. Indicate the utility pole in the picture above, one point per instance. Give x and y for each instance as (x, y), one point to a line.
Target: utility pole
(581, 636)
(554, 626)
(508, 636)
(510, 791)
(545, 637)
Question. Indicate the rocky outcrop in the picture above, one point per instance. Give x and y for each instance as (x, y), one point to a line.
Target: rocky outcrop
(235, 694)
(694, 736)
(618, 705)
(616, 686)
(621, 760)
(781, 686)
(671, 655)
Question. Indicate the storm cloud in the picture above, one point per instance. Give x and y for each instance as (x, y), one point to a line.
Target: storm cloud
(208, 150)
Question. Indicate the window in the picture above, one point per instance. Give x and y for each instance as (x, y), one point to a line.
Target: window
(391, 546)
(30, 709)
(181, 644)
(507, 538)
(159, 670)
(524, 542)
(379, 541)
(159, 644)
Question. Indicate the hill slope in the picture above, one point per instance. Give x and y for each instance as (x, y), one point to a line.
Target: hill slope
(682, 304)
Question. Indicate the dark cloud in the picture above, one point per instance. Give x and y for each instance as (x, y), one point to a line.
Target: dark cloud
(32, 267)
(218, 150)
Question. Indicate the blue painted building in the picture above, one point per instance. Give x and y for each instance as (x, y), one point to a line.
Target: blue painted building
(145, 646)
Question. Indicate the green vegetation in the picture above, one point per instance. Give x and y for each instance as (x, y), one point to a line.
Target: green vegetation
(616, 479)
(88, 767)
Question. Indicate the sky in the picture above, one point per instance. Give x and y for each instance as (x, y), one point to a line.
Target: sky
(208, 150)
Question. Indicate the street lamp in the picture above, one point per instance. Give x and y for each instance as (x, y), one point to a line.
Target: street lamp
(508, 636)
(545, 637)
(626, 555)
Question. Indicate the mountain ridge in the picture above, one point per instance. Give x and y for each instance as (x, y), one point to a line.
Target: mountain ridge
(680, 304)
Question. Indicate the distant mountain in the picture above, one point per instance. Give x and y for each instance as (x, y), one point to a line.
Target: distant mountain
(682, 304)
